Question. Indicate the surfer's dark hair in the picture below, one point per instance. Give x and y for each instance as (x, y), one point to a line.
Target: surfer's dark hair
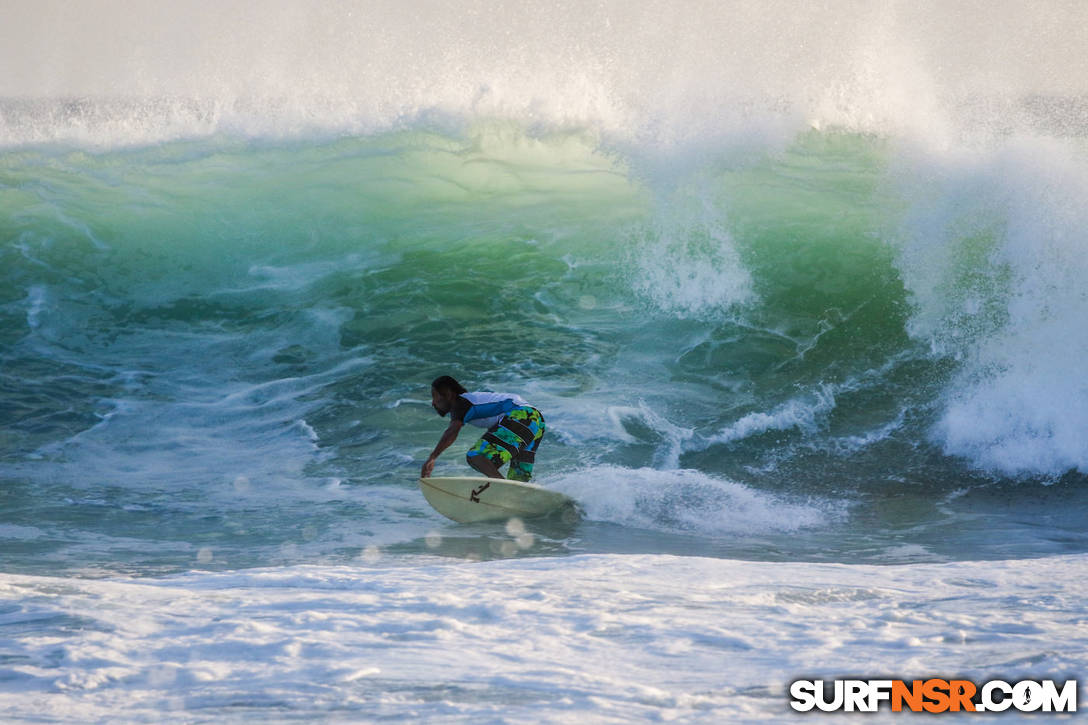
(445, 382)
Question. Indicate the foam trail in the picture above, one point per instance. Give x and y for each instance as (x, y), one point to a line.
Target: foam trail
(685, 501)
(795, 413)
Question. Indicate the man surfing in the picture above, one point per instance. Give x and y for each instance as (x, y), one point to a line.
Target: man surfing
(514, 429)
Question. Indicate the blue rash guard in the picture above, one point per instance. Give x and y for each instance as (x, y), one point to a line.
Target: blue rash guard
(514, 429)
(485, 409)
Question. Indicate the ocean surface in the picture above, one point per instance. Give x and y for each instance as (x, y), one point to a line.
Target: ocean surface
(801, 297)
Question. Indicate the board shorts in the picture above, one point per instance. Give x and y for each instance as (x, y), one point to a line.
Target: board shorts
(513, 440)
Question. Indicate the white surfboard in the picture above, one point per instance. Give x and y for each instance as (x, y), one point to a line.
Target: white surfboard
(468, 499)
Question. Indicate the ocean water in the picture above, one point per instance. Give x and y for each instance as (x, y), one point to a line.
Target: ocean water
(800, 292)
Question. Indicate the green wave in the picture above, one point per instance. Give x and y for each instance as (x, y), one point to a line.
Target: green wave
(713, 291)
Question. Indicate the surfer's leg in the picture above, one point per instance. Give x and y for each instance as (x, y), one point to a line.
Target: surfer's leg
(521, 467)
(520, 471)
(484, 465)
(489, 453)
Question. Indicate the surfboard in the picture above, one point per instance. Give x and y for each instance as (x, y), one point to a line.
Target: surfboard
(469, 499)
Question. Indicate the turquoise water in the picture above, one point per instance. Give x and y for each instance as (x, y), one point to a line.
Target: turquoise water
(223, 345)
(799, 288)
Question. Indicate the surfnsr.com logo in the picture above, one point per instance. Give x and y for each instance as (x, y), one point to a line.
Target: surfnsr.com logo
(933, 695)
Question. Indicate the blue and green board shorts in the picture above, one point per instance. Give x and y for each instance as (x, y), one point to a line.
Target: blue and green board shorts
(513, 440)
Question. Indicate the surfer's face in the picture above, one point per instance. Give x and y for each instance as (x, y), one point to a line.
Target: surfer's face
(441, 402)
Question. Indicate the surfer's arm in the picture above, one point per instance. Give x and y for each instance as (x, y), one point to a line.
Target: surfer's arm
(447, 439)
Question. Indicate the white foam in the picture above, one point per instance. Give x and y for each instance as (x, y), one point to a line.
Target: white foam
(853, 443)
(993, 252)
(580, 639)
(685, 501)
(672, 436)
(686, 263)
(803, 413)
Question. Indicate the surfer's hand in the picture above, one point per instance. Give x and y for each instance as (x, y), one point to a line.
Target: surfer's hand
(427, 468)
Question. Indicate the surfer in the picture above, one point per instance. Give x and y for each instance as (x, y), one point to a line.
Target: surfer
(514, 429)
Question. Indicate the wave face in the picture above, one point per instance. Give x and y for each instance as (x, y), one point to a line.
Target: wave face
(824, 273)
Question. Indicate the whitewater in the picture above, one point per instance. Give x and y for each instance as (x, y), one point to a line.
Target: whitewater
(798, 288)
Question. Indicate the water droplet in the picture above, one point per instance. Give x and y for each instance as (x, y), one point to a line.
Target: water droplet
(433, 539)
(515, 527)
(371, 554)
(204, 555)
